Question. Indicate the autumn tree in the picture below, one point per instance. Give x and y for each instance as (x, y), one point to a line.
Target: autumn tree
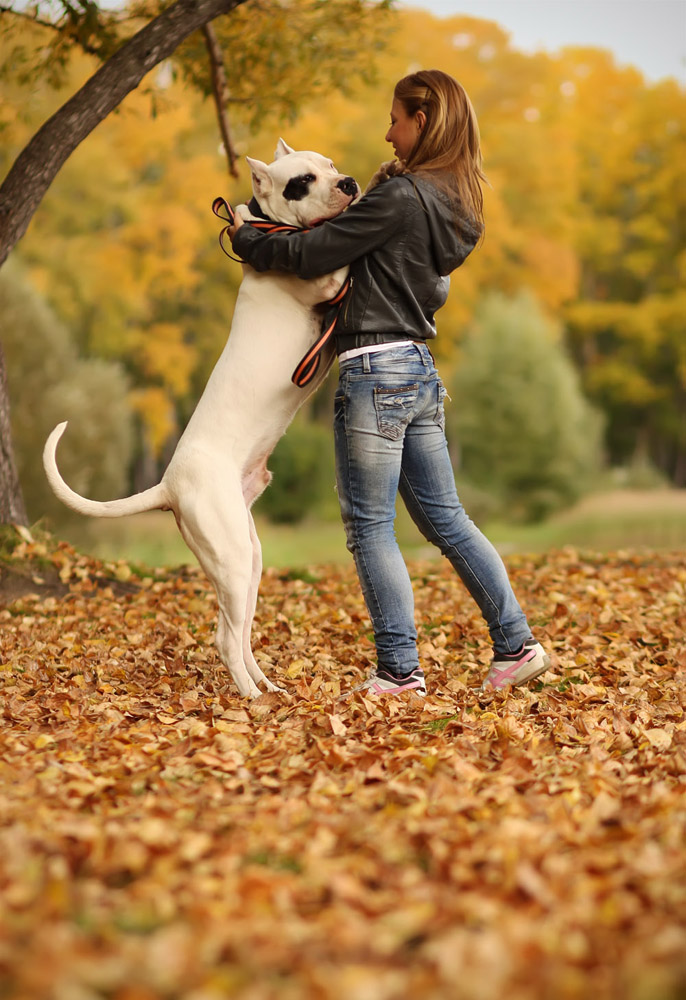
(127, 46)
(37, 165)
(626, 328)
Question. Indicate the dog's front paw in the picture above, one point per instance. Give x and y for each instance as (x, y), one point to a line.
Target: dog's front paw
(244, 212)
(392, 168)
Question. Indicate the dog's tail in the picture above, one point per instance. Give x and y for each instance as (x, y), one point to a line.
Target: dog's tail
(153, 499)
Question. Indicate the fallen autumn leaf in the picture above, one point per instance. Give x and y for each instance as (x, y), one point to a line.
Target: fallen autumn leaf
(162, 839)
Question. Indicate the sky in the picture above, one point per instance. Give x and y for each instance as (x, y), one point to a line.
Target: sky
(648, 34)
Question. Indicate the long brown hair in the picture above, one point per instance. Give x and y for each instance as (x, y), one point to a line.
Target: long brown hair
(448, 146)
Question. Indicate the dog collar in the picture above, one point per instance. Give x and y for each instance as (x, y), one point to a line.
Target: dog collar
(254, 209)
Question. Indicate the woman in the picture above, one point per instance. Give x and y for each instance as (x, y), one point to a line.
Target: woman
(401, 241)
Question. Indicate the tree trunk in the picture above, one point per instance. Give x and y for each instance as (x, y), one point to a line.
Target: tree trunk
(39, 162)
(12, 510)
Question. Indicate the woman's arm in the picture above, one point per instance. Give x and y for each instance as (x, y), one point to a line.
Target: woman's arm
(360, 229)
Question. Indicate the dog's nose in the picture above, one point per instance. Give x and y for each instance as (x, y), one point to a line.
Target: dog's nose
(348, 186)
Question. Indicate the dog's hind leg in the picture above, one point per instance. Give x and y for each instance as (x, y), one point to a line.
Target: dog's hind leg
(248, 656)
(254, 483)
(220, 538)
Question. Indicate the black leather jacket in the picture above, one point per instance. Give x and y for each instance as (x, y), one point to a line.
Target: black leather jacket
(401, 241)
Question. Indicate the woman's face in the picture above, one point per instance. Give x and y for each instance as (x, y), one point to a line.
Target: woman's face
(404, 130)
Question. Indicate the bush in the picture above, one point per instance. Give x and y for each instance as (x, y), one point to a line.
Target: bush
(49, 383)
(524, 430)
(639, 474)
(302, 467)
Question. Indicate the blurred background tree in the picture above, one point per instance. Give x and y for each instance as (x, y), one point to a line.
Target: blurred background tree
(585, 209)
(303, 471)
(56, 385)
(526, 435)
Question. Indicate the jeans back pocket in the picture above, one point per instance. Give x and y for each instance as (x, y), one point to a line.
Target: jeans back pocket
(394, 407)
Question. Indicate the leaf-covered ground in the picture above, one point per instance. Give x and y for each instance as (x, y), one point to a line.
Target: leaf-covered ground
(162, 838)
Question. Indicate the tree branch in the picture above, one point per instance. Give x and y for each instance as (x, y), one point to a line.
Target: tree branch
(65, 31)
(4, 9)
(37, 165)
(220, 92)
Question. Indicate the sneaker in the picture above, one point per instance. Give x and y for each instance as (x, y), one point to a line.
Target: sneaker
(517, 668)
(384, 682)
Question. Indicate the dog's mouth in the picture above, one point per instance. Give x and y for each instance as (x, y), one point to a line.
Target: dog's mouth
(327, 218)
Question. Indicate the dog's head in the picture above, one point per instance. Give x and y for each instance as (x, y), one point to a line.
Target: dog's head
(301, 188)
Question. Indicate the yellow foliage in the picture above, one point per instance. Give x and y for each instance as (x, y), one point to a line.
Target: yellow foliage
(557, 267)
(584, 207)
(623, 383)
(155, 409)
(165, 356)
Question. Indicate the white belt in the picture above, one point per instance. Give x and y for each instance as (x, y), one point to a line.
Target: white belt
(373, 349)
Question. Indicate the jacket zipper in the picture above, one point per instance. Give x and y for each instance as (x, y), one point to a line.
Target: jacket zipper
(348, 298)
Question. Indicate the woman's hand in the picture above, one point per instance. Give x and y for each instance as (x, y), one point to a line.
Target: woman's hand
(237, 223)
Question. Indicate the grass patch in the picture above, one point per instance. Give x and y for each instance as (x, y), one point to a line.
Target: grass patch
(279, 862)
(438, 725)
(9, 539)
(607, 522)
(599, 532)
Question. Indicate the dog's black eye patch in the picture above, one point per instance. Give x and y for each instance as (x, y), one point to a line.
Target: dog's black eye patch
(297, 187)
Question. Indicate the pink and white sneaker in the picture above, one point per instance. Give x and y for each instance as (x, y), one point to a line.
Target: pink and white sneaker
(511, 669)
(384, 682)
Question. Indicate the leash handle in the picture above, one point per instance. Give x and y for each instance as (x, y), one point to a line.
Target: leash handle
(220, 205)
(223, 211)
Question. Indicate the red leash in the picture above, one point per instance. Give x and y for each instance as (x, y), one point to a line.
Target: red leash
(308, 365)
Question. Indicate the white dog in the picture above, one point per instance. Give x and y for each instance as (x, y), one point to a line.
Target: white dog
(219, 467)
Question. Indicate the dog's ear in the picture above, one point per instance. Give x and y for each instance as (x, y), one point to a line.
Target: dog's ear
(282, 149)
(261, 180)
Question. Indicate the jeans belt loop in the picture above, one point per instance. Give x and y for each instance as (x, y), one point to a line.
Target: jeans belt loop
(366, 364)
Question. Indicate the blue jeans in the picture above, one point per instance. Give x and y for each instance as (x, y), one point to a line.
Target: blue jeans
(390, 437)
